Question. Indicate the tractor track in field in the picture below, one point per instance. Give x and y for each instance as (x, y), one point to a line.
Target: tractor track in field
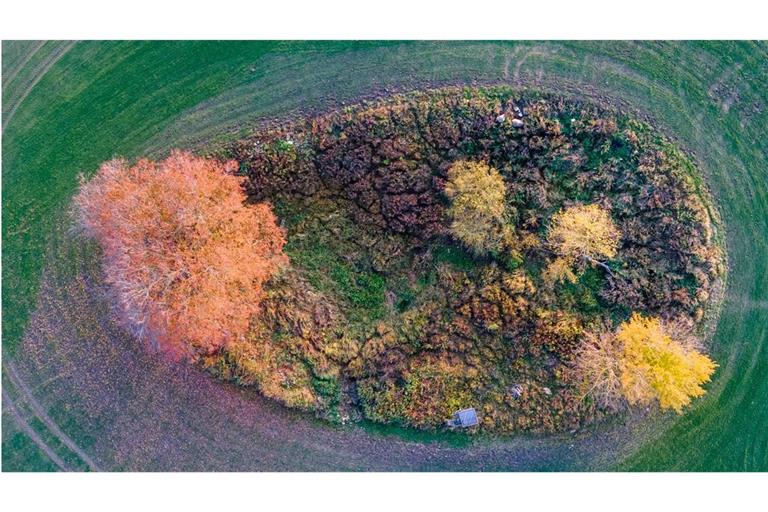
(39, 74)
(14, 71)
(25, 427)
(25, 393)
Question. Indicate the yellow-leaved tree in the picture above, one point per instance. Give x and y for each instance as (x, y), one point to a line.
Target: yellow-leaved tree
(655, 366)
(641, 362)
(476, 192)
(582, 232)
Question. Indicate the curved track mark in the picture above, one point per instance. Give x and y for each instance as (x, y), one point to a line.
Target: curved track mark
(12, 73)
(10, 407)
(58, 54)
(40, 413)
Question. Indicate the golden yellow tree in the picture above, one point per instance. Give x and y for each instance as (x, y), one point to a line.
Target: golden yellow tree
(641, 361)
(477, 192)
(655, 366)
(583, 232)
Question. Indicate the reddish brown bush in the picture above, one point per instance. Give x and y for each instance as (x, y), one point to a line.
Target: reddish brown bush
(187, 257)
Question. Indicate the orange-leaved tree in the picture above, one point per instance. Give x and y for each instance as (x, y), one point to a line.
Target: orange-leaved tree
(186, 256)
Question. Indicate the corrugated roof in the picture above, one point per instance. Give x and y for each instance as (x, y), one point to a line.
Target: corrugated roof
(467, 417)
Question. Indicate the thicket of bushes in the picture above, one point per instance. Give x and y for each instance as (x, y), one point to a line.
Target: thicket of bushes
(512, 306)
(443, 257)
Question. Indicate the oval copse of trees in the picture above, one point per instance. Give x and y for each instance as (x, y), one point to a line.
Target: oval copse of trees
(547, 262)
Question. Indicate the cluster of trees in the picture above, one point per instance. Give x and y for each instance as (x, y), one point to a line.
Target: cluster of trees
(391, 159)
(640, 361)
(186, 256)
(189, 259)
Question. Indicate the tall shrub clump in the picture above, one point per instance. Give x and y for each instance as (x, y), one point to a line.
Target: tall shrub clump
(582, 232)
(186, 256)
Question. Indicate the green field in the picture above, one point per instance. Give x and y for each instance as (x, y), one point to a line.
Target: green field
(67, 107)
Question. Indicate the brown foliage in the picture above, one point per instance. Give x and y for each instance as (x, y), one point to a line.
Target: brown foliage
(597, 367)
(187, 257)
(295, 341)
(387, 167)
(427, 393)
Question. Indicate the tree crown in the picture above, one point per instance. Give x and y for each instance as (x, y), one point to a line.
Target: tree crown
(583, 231)
(477, 194)
(653, 365)
(187, 257)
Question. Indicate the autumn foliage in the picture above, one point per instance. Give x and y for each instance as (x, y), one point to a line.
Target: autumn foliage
(598, 366)
(476, 213)
(186, 256)
(420, 225)
(580, 233)
(641, 362)
(655, 366)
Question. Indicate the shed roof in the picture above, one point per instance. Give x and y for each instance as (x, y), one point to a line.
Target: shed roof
(467, 417)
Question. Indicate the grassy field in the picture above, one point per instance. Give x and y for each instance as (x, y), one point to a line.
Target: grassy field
(67, 107)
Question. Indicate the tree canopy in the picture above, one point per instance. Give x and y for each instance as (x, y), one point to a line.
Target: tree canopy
(641, 362)
(655, 366)
(580, 232)
(186, 256)
(583, 231)
(477, 192)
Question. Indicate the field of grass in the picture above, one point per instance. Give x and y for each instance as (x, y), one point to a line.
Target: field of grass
(67, 107)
